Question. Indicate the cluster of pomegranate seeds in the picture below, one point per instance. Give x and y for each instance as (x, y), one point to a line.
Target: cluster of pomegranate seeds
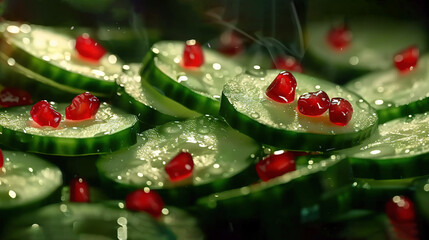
(340, 111)
(79, 190)
(313, 103)
(45, 115)
(288, 63)
(180, 167)
(193, 54)
(147, 201)
(10, 97)
(83, 106)
(406, 60)
(339, 37)
(275, 165)
(1, 159)
(230, 43)
(282, 89)
(401, 212)
(88, 48)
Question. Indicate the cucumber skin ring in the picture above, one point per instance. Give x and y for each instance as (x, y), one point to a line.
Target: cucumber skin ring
(290, 139)
(55, 73)
(69, 146)
(390, 113)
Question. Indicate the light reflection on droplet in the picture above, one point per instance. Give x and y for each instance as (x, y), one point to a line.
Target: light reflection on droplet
(11, 62)
(374, 152)
(216, 66)
(165, 211)
(12, 194)
(182, 79)
(112, 59)
(13, 29)
(354, 60)
(379, 102)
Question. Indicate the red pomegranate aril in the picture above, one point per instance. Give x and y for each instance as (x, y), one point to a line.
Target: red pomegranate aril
(230, 43)
(45, 115)
(10, 97)
(193, 55)
(313, 103)
(83, 106)
(1, 158)
(88, 48)
(148, 201)
(275, 165)
(288, 63)
(340, 111)
(406, 60)
(339, 37)
(401, 212)
(282, 89)
(180, 167)
(79, 190)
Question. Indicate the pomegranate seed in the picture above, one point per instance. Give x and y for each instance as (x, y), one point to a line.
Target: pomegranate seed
(340, 111)
(88, 48)
(400, 210)
(10, 97)
(406, 60)
(83, 106)
(339, 37)
(79, 190)
(288, 63)
(147, 201)
(230, 43)
(275, 165)
(313, 103)
(180, 167)
(1, 158)
(193, 54)
(45, 115)
(282, 89)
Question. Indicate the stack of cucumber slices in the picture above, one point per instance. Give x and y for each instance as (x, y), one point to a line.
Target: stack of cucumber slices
(200, 136)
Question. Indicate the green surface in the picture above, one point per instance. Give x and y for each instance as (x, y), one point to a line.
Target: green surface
(110, 130)
(246, 108)
(26, 182)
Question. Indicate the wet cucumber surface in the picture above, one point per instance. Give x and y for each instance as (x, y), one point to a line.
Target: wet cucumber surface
(140, 98)
(111, 130)
(398, 150)
(368, 51)
(223, 158)
(53, 56)
(200, 88)
(250, 111)
(87, 221)
(394, 94)
(26, 182)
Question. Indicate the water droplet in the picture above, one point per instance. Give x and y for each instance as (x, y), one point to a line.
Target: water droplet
(255, 115)
(256, 71)
(362, 104)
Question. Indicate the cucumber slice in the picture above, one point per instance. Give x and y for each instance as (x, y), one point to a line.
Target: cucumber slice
(373, 194)
(137, 96)
(393, 94)
(222, 156)
(87, 221)
(197, 89)
(246, 108)
(111, 130)
(262, 204)
(399, 150)
(26, 182)
(52, 55)
(371, 49)
(421, 200)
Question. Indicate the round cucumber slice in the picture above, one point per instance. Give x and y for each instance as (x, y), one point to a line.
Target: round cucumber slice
(393, 94)
(246, 108)
(111, 130)
(137, 96)
(399, 150)
(371, 49)
(284, 196)
(26, 182)
(53, 56)
(222, 156)
(87, 221)
(198, 89)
